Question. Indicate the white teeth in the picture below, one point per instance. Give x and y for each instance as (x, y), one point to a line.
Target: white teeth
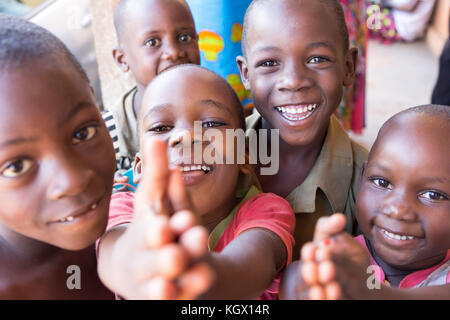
(196, 168)
(94, 206)
(291, 110)
(396, 236)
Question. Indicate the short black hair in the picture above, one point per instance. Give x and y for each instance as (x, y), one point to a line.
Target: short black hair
(120, 15)
(22, 42)
(334, 5)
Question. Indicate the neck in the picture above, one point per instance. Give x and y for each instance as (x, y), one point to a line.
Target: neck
(24, 247)
(211, 219)
(302, 152)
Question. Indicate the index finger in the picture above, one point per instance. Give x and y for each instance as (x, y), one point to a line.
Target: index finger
(327, 227)
(153, 186)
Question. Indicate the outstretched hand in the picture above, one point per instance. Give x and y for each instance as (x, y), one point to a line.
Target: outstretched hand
(334, 264)
(160, 253)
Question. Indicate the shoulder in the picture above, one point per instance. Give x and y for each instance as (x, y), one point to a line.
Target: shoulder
(360, 153)
(265, 210)
(266, 204)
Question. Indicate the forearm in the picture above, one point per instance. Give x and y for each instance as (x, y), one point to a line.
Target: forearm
(289, 281)
(245, 271)
(106, 252)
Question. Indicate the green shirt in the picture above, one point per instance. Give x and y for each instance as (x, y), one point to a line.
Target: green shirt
(331, 186)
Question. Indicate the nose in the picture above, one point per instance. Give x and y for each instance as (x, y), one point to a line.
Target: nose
(294, 77)
(398, 206)
(185, 137)
(68, 176)
(173, 51)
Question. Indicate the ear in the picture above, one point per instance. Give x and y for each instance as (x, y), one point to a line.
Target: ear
(120, 59)
(243, 69)
(363, 169)
(137, 169)
(351, 60)
(246, 168)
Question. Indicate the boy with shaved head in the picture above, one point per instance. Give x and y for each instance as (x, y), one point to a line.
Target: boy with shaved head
(153, 35)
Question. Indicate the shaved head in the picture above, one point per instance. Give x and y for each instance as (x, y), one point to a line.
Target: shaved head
(408, 117)
(333, 5)
(125, 7)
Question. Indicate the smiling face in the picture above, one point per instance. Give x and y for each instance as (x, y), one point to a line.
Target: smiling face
(56, 156)
(403, 204)
(156, 35)
(171, 105)
(296, 65)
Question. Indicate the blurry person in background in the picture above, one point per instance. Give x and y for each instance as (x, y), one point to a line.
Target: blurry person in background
(14, 7)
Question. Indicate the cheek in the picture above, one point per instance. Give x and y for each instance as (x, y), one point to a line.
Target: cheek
(366, 208)
(22, 216)
(194, 54)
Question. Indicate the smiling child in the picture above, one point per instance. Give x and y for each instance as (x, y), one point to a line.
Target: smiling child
(403, 208)
(296, 63)
(153, 36)
(249, 232)
(56, 168)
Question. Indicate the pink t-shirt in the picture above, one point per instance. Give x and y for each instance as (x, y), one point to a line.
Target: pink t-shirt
(264, 210)
(439, 273)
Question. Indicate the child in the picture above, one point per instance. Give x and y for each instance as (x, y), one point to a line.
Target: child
(56, 169)
(153, 35)
(403, 208)
(296, 62)
(249, 232)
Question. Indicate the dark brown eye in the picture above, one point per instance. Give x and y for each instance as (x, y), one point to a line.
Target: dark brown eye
(433, 195)
(84, 134)
(17, 168)
(379, 182)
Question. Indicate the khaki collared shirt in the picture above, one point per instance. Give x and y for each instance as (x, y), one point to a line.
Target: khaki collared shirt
(331, 186)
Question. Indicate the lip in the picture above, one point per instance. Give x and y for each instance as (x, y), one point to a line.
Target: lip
(194, 174)
(83, 213)
(397, 239)
(297, 112)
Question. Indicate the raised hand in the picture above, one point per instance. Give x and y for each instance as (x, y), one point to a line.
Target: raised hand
(158, 254)
(334, 265)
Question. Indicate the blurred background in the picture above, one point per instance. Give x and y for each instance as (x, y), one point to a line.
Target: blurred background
(403, 42)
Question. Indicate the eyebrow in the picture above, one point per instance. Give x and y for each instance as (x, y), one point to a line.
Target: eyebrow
(321, 44)
(79, 107)
(17, 141)
(216, 104)
(266, 49)
(158, 108)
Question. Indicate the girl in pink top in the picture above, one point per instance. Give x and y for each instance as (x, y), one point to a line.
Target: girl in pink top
(403, 209)
(154, 248)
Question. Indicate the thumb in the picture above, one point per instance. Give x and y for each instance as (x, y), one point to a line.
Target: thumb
(327, 227)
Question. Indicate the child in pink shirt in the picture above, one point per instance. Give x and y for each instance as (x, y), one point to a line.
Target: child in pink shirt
(157, 242)
(403, 209)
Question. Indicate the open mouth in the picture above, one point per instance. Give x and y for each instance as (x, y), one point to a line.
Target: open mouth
(192, 168)
(297, 112)
(398, 238)
(79, 214)
(193, 174)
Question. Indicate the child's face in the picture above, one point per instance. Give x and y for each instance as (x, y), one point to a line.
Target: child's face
(157, 35)
(403, 204)
(296, 67)
(169, 110)
(56, 157)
